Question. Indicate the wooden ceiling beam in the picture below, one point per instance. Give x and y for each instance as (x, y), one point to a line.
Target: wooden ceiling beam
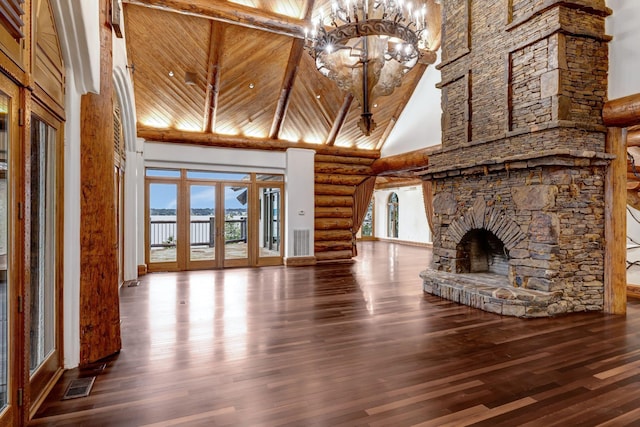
(340, 119)
(213, 76)
(230, 141)
(633, 138)
(297, 48)
(622, 112)
(222, 10)
(405, 162)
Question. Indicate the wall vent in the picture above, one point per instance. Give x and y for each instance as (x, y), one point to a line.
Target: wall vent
(301, 242)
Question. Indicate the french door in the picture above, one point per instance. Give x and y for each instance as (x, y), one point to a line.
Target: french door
(200, 220)
(45, 296)
(11, 236)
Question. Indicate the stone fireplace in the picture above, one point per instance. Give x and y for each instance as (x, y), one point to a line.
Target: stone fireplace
(518, 185)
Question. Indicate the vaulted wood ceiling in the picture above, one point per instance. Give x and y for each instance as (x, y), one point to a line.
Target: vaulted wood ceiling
(251, 79)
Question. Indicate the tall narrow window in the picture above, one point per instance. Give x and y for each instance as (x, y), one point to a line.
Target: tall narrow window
(367, 224)
(392, 216)
(43, 238)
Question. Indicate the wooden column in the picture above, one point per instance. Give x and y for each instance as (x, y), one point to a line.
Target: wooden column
(615, 255)
(99, 301)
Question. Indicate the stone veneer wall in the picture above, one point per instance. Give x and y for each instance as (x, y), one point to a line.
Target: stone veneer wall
(523, 86)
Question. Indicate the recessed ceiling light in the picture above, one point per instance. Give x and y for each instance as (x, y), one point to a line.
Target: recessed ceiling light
(251, 85)
(317, 96)
(375, 105)
(170, 73)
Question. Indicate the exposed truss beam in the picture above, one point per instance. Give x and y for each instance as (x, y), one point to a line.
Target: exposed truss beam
(405, 162)
(289, 79)
(213, 76)
(287, 85)
(222, 10)
(340, 119)
(228, 141)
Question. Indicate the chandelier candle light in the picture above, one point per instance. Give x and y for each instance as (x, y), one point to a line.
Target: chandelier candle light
(370, 46)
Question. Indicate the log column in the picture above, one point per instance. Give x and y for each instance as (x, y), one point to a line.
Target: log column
(99, 302)
(615, 253)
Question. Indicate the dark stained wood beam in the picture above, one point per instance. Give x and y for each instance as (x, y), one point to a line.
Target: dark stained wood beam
(412, 160)
(297, 48)
(416, 74)
(229, 141)
(622, 112)
(340, 119)
(222, 10)
(213, 76)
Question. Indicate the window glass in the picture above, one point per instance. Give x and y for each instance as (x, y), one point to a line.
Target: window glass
(220, 176)
(270, 178)
(163, 173)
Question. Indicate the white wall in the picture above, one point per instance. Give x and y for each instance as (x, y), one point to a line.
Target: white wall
(624, 79)
(299, 197)
(624, 49)
(419, 125)
(132, 209)
(412, 222)
(295, 164)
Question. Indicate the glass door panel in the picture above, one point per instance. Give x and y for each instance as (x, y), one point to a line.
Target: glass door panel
(162, 223)
(270, 222)
(43, 238)
(236, 212)
(202, 228)
(5, 355)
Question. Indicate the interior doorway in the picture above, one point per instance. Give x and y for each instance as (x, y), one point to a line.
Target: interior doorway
(201, 219)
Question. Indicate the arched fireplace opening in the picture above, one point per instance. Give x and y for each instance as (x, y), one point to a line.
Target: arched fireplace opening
(480, 251)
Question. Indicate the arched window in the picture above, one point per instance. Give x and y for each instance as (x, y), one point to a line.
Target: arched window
(392, 216)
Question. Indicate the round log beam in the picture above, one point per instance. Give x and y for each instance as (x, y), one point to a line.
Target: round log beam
(622, 112)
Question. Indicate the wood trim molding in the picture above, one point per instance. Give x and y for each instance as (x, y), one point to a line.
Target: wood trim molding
(300, 261)
(142, 269)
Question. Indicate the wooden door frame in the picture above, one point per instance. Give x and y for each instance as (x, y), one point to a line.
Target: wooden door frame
(17, 274)
(205, 264)
(158, 266)
(268, 261)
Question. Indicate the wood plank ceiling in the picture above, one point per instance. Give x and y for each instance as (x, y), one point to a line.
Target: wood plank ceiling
(237, 69)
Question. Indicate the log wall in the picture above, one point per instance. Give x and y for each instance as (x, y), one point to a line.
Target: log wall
(336, 178)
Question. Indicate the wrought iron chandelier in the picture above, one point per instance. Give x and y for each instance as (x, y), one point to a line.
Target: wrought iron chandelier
(369, 47)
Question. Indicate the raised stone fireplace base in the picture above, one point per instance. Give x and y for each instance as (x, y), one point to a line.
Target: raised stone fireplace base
(492, 292)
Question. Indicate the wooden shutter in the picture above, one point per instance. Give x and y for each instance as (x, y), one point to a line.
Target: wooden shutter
(11, 17)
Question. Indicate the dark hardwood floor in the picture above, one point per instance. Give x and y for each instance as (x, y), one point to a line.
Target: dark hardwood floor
(347, 345)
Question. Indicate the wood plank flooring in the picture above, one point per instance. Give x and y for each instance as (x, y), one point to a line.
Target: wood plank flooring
(350, 344)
